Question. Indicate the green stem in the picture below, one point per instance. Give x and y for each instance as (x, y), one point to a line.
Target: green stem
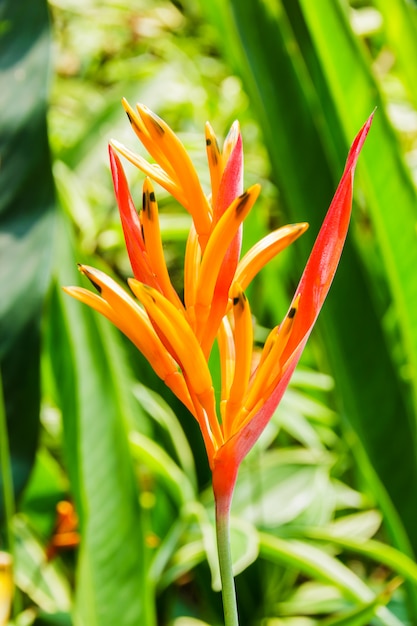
(225, 559)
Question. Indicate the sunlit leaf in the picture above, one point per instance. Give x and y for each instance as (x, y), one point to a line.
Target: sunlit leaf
(289, 77)
(42, 581)
(318, 565)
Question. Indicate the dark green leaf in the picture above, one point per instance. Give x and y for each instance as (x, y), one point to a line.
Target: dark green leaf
(92, 379)
(26, 218)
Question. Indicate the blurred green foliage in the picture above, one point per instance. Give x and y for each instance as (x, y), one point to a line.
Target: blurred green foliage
(325, 506)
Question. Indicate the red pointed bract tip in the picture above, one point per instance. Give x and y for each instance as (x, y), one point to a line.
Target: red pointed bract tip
(130, 221)
(311, 291)
(177, 337)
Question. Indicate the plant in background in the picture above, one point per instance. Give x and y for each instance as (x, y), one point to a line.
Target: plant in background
(177, 335)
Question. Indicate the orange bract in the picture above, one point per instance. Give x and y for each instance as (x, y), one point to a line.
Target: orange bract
(177, 336)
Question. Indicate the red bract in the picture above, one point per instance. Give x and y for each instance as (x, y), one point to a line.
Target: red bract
(309, 298)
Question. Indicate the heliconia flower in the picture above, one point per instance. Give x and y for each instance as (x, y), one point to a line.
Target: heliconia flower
(176, 335)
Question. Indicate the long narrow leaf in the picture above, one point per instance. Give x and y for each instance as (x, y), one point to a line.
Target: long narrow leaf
(320, 566)
(390, 192)
(26, 218)
(112, 586)
(283, 92)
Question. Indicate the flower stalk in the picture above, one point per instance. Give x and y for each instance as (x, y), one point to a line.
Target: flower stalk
(223, 494)
(225, 560)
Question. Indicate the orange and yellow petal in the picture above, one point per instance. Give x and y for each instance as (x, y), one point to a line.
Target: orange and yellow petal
(218, 244)
(215, 162)
(168, 142)
(145, 138)
(119, 308)
(243, 342)
(269, 369)
(265, 250)
(153, 244)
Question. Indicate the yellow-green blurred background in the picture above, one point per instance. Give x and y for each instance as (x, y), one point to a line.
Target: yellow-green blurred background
(325, 510)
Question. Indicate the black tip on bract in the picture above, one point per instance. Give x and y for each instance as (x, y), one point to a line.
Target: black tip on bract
(243, 200)
(292, 312)
(85, 272)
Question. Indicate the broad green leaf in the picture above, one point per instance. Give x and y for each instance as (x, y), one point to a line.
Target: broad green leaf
(26, 218)
(387, 183)
(312, 598)
(271, 492)
(244, 546)
(310, 407)
(306, 378)
(56, 619)
(372, 549)
(363, 525)
(348, 498)
(359, 616)
(292, 415)
(91, 373)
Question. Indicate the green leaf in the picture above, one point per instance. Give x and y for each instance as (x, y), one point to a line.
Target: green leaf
(159, 410)
(26, 218)
(46, 486)
(184, 560)
(273, 490)
(312, 598)
(305, 137)
(160, 463)
(361, 615)
(43, 582)
(91, 378)
(372, 549)
(358, 616)
(361, 525)
(387, 183)
(167, 548)
(320, 566)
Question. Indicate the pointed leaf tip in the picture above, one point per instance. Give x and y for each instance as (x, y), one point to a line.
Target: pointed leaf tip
(324, 258)
(231, 184)
(358, 142)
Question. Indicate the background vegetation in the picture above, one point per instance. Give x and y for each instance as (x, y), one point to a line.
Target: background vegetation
(324, 526)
